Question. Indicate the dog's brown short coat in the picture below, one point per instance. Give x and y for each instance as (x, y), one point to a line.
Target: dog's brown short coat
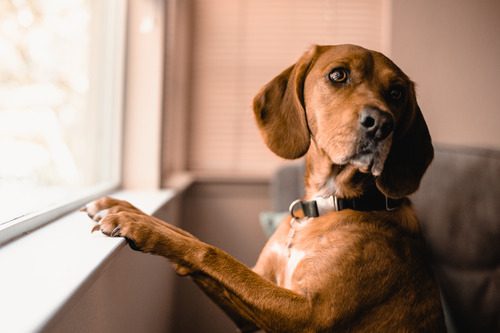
(355, 271)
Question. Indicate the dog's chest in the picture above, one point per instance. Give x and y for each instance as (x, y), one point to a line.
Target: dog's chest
(292, 259)
(300, 246)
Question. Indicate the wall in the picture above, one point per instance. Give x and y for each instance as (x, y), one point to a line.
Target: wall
(131, 294)
(224, 214)
(451, 49)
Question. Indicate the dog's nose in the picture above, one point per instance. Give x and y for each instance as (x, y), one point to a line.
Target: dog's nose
(376, 124)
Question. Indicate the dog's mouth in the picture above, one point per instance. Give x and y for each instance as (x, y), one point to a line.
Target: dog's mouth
(367, 162)
(369, 156)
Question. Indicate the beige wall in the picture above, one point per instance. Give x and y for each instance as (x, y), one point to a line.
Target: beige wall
(451, 49)
(224, 214)
(131, 294)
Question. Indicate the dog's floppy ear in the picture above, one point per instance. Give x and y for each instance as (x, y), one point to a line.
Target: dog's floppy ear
(410, 155)
(280, 112)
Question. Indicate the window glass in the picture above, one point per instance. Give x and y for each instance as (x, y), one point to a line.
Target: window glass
(61, 79)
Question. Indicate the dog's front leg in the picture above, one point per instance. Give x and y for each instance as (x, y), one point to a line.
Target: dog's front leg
(219, 296)
(243, 294)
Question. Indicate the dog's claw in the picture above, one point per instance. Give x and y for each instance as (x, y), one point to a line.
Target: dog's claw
(116, 232)
(97, 227)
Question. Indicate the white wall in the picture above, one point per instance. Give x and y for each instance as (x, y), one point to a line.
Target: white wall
(451, 49)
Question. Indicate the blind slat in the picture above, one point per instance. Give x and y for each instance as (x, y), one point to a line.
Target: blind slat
(241, 45)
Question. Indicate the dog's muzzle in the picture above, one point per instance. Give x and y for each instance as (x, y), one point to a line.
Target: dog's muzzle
(375, 138)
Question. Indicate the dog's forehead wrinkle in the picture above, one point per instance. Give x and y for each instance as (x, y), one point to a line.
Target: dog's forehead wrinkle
(388, 77)
(365, 65)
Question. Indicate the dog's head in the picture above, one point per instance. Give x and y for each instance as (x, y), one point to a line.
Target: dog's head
(357, 106)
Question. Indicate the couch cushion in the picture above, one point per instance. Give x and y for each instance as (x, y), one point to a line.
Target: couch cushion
(458, 205)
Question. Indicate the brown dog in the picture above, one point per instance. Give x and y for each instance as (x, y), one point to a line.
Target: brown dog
(351, 258)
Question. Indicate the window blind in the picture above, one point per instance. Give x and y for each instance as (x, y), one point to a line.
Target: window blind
(238, 46)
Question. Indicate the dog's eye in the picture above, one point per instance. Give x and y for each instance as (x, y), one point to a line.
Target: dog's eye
(396, 93)
(339, 75)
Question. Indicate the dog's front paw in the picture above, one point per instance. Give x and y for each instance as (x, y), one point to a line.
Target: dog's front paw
(117, 218)
(102, 207)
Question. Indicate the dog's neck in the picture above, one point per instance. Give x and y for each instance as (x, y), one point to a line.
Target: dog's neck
(324, 178)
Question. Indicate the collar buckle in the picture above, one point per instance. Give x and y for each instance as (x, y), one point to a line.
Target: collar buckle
(294, 208)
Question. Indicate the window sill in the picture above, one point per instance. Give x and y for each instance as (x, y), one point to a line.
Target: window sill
(42, 270)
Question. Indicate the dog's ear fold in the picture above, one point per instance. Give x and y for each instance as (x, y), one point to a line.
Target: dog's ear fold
(410, 155)
(280, 113)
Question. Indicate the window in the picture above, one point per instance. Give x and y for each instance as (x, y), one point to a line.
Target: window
(239, 45)
(61, 82)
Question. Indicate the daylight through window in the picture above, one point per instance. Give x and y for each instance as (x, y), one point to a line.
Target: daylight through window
(61, 78)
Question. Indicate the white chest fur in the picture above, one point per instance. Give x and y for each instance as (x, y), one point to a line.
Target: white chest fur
(294, 259)
(289, 257)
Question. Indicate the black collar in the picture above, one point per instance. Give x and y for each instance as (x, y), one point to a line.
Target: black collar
(372, 201)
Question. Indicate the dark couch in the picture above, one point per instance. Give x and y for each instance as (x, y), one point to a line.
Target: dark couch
(458, 204)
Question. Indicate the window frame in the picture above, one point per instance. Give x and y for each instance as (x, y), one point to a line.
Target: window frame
(47, 268)
(107, 94)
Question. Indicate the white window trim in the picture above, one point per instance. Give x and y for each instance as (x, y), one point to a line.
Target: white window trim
(142, 144)
(23, 225)
(44, 269)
